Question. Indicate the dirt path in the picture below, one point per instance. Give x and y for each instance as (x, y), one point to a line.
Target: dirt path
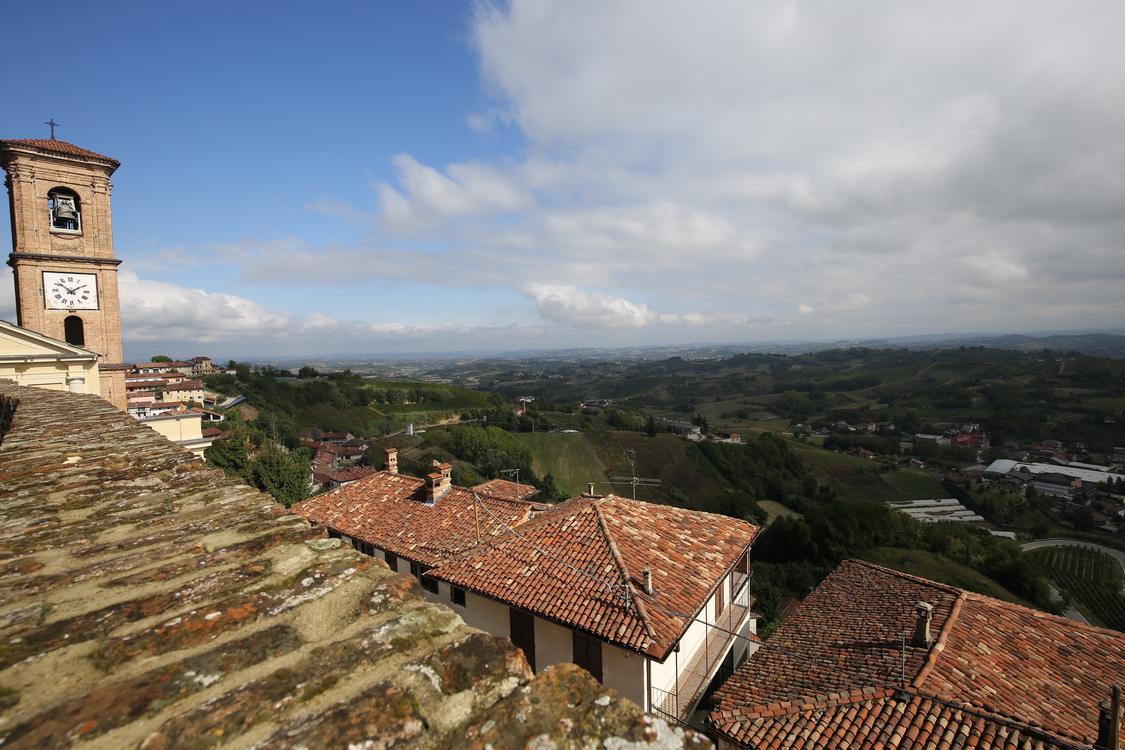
(920, 372)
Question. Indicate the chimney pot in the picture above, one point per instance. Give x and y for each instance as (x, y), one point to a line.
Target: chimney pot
(392, 460)
(647, 573)
(591, 490)
(923, 613)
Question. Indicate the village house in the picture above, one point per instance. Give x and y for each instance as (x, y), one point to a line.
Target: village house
(652, 600)
(880, 659)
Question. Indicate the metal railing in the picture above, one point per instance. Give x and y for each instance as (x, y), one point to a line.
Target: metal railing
(696, 673)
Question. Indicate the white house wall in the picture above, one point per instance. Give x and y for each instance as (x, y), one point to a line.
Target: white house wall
(625, 672)
(621, 670)
(554, 644)
(487, 615)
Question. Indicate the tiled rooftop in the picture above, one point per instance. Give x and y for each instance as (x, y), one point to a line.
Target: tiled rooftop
(58, 147)
(509, 490)
(149, 602)
(1015, 677)
(580, 562)
(390, 512)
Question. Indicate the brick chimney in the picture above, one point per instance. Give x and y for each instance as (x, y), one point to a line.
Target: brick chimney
(438, 481)
(392, 460)
(1109, 722)
(923, 613)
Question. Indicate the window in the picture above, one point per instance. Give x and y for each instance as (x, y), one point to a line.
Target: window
(522, 628)
(588, 654)
(418, 570)
(457, 596)
(73, 331)
(65, 210)
(392, 561)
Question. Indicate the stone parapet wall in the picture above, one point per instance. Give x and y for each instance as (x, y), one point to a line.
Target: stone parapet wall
(148, 602)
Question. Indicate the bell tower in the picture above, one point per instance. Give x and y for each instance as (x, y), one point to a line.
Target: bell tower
(62, 248)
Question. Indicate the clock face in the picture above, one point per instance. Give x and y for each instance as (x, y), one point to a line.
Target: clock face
(70, 291)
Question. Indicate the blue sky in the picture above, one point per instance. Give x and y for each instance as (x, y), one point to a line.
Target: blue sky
(387, 177)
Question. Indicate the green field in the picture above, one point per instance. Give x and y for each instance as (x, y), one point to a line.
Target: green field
(567, 457)
(915, 485)
(1088, 578)
(777, 510)
(1113, 404)
(853, 478)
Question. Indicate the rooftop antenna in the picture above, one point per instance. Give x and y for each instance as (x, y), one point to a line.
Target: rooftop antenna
(53, 125)
(633, 480)
(517, 473)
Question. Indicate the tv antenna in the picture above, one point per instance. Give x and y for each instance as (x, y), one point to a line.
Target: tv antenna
(634, 481)
(517, 473)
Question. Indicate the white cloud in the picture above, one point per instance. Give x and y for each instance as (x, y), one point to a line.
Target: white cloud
(432, 198)
(733, 170)
(806, 163)
(159, 313)
(570, 305)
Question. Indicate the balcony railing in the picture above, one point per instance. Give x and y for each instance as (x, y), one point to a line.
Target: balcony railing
(696, 673)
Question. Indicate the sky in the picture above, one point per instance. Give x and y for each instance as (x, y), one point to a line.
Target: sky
(382, 177)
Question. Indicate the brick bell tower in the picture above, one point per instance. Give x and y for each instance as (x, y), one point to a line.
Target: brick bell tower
(62, 249)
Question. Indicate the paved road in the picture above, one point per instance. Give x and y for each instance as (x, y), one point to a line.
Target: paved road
(1116, 554)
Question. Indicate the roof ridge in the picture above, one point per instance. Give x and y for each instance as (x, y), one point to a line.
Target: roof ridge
(939, 645)
(827, 700)
(634, 598)
(898, 573)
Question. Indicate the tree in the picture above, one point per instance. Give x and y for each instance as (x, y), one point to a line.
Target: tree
(650, 427)
(281, 475)
(231, 456)
(161, 358)
(549, 491)
(307, 372)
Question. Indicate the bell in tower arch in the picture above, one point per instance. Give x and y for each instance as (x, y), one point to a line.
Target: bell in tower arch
(64, 212)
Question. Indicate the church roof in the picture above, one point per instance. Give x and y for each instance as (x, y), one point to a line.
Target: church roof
(57, 147)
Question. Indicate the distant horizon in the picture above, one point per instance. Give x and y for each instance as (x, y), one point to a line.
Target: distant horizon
(533, 353)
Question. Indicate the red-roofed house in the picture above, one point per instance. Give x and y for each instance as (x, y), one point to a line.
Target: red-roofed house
(506, 489)
(880, 659)
(354, 474)
(645, 597)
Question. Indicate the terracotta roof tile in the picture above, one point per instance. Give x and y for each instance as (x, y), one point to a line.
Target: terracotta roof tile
(353, 474)
(389, 511)
(1005, 668)
(58, 147)
(580, 562)
(510, 490)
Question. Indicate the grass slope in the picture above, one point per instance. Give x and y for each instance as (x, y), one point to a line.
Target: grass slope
(569, 458)
(915, 485)
(934, 567)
